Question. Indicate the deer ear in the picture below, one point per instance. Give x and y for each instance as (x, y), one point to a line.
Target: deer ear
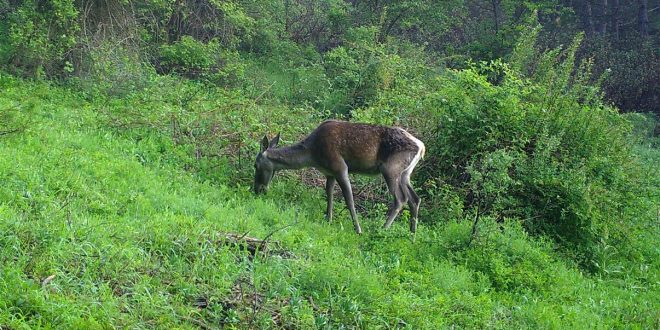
(274, 141)
(264, 144)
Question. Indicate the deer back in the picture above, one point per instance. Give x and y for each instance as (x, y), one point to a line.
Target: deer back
(363, 147)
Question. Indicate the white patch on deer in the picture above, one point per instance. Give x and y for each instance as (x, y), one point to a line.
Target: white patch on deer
(421, 150)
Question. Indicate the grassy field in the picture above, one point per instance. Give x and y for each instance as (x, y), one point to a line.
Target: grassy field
(100, 229)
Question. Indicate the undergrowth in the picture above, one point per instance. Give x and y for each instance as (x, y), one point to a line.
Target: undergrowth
(103, 226)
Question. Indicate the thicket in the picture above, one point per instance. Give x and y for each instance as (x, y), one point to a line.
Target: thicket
(119, 41)
(531, 140)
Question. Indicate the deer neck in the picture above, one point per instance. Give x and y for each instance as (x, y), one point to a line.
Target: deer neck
(291, 157)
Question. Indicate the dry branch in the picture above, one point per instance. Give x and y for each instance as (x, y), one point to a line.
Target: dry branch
(254, 245)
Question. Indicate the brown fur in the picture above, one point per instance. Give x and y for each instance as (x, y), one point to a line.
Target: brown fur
(363, 147)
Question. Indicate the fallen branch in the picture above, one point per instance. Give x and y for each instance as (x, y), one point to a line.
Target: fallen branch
(254, 245)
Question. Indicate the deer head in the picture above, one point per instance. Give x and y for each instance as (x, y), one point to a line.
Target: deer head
(264, 168)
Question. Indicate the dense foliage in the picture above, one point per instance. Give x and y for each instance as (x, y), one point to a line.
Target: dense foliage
(130, 156)
(63, 38)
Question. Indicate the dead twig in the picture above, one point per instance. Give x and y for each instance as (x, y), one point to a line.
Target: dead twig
(254, 245)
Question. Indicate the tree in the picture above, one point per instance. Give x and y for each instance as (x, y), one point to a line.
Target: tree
(643, 18)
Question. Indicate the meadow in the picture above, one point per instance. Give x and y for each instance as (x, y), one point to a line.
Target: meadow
(105, 228)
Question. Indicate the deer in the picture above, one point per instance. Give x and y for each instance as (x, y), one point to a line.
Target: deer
(337, 148)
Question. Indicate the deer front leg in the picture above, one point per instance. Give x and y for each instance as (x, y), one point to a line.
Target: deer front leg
(346, 190)
(329, 195)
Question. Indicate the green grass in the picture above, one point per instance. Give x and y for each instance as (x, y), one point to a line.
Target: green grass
(135, 241)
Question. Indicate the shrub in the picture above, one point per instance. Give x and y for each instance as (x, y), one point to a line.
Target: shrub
(36, 35)
(362, 69)
(646, 128)
(542, 148)
(113, 69)
(195, 59)
(511, 261)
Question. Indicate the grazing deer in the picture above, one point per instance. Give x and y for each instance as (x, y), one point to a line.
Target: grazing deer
(336, 148)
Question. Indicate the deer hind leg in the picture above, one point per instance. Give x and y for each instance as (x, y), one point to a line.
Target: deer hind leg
(329, 195)
(413, 200)
(393, 181)
(346, 190)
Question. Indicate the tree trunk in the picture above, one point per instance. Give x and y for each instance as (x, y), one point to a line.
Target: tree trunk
(287, 21)
(614, 18)
(601, 13)
(644, 18)
(496, 10)
(174, 24)
(587, 18)
(383, 35)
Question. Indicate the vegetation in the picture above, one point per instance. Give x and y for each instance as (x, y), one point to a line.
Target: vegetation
(128, 131)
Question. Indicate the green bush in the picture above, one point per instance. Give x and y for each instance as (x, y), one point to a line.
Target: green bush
(510, 261)
(14, 116)
(361, 69)
(189, 56)
(201, 128)
(36, 35)
(111, 69)
(646, 128)
(292, 75)
(197, 60)
(541, 148)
